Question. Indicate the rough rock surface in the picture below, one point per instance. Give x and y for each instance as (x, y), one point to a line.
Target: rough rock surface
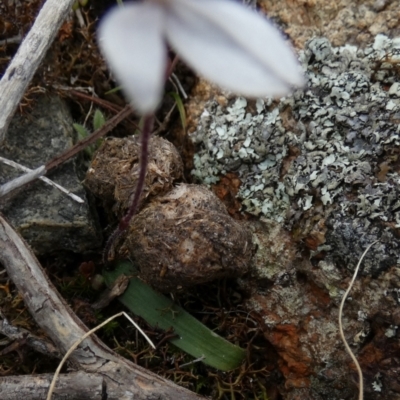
(341, 21)
(298, 303)
(323, 164)
(48, 219)
(322, 159)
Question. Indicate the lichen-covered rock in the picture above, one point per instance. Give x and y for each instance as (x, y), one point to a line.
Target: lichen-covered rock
(327, 153)
(323, 163)
(276, 255)
(113, 173)
(300, 316)
(186, 237)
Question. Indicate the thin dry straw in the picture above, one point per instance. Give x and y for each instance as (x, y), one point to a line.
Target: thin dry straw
(360, 374)
(30, 175)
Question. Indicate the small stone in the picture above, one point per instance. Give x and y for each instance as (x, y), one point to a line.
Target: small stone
(48, 219)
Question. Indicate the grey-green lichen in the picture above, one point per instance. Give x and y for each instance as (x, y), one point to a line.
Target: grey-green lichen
(332, 146)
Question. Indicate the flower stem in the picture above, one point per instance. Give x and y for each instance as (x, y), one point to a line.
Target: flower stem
(144, 155)
(148, 122)
(171, 67)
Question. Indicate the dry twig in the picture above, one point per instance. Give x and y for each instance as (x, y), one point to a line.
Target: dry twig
(22, 180)
(86, 335)
(121, 378)
(4, 191)
(28, 58)
(36, 343)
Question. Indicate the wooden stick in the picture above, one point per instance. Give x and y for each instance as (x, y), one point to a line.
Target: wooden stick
(4, 190)
(86, 335)
(75, 385)
(35, 342)
(122, 378)
(28, 58)
(12, 187)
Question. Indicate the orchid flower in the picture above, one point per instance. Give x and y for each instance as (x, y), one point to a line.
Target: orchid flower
(223, 41)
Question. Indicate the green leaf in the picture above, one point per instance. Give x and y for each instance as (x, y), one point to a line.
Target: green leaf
(193, 337)
(81, 130)
(84, 133)
(181, 108)
(98, 120)
(114, 90)
(79, 3)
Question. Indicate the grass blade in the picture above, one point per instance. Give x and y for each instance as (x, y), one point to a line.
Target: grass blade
(98, 120)
(193, 337)
(181, 108)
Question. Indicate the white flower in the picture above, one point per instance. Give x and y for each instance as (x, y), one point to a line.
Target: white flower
(222, 40)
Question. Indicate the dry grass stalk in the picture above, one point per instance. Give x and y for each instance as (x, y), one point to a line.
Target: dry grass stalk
(346, 345)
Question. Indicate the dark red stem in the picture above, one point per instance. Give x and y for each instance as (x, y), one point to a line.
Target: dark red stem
(144, 155)
(148, 122)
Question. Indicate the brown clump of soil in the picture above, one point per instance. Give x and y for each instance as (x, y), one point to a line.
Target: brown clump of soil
(187, 238)
(114, 171)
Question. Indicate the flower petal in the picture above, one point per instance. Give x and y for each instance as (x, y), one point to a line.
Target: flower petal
(131, 39)
(232, 46)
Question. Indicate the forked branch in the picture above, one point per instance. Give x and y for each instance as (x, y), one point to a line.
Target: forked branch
(121, 378)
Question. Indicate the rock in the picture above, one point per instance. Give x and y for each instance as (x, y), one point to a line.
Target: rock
(322, 165)
(342, 22)
(48, 219)
(276, 256)
(300, 316)
(323, 162)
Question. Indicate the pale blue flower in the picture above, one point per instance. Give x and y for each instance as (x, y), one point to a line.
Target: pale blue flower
(223, 41)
